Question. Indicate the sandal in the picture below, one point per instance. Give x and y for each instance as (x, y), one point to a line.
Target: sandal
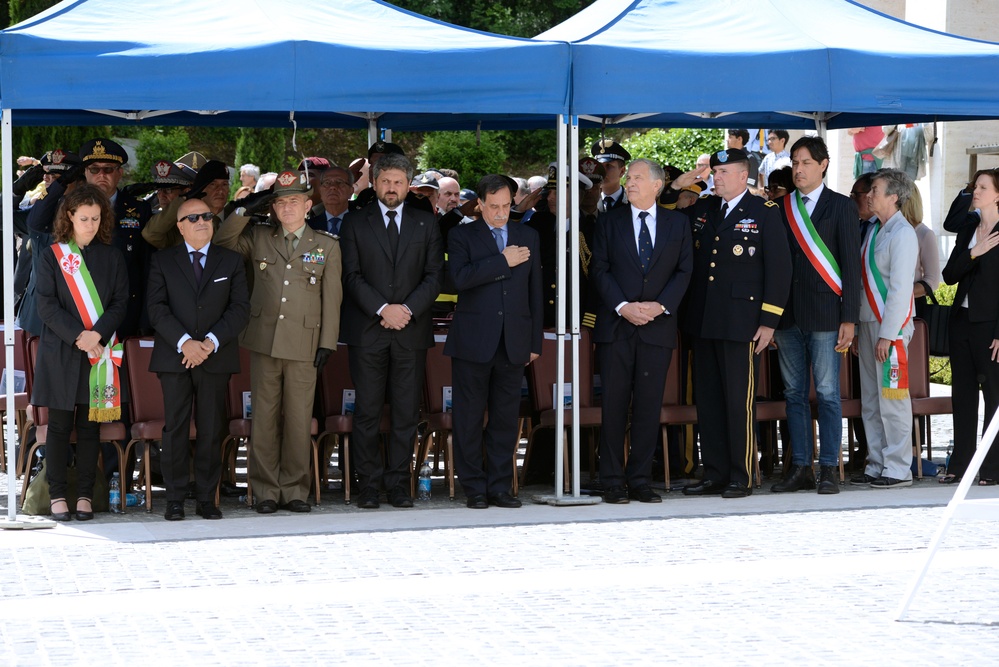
(949, 479)
(59, 516)
(985, 481)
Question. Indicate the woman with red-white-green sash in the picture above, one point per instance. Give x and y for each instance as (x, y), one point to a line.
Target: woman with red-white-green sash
(890, 251)
(82, 293)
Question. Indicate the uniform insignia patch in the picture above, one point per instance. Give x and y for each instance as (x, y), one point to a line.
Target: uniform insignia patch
(737, 250)
(752, 250)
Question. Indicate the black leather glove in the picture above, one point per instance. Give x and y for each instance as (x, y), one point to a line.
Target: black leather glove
(322, 356)
(28, 180)
(140, 189)
(72, 175)
(255, 202)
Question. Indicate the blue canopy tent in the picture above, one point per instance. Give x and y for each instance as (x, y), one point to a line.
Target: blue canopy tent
(730, 63)
(324, 63)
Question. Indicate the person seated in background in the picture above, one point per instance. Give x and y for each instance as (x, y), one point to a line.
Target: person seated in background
(336, 185)
(781, 182)
(248, 175)
(927, 277)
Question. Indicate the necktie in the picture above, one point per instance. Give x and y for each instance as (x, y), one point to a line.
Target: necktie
(196, 265)
(608, 203)
(393, 234)
(644, 242)
(333, 225)
(498, 235)
(289, 243)
(724, 210)
(804, 200)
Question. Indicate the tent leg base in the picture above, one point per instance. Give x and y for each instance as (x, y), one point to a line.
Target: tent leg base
(566, 501)
(25, 522)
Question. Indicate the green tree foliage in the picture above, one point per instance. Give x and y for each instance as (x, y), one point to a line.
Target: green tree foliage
(519, 18)
(677, 147)
(25, 9)
(264, 147)
(460, 151)
(940, 366)
(155, 144)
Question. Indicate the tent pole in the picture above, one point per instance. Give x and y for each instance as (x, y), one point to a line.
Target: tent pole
(8, 308)
(372, 129)
(820, 125)
(560, 246)
(574, 285)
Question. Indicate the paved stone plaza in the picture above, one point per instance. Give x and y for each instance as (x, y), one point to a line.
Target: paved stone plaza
(769, 579)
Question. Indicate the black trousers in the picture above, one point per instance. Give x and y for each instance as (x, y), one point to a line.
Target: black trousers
(385, 372)
(476, 388)
(972, 368)
(88, 433)
(725, 390)
(633, 374)
(206, 393)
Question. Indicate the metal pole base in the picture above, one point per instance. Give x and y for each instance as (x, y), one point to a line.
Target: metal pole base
(25, 522)
(565, 501)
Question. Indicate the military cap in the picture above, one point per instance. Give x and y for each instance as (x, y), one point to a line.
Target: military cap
(425, 181)
(584, 180)
(193, 159)
(606, 150)
(385, 148)
(697, 188)
(593, 169)
(102, 150)
(291, 183)
(467, 194)
(213, 170)
(59, 160)
(314, 164)
(167, 173)
(729, 156)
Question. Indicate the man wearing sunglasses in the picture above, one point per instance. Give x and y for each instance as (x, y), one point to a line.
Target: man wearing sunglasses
(103, 160)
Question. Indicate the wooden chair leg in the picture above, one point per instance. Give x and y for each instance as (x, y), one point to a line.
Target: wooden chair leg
(917, 448)
(346, 469)
(449, 461)
(666, 459)
(315, 471)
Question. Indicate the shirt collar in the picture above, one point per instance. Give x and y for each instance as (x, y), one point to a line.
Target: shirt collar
(735, 200)
(385, 209)
(203, 250)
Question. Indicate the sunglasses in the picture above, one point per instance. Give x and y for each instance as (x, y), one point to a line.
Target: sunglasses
(193, 217)
(93, 171)
(856, 194)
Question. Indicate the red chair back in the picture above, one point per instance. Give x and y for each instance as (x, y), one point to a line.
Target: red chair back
(541, 374)
(919, 360)
(39, 413)
(438, 374)
(238, 383)
(146, 393)
(334, 380)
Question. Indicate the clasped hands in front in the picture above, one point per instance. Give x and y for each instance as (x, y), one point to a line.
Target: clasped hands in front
(90, 342)
(195, 352)
(395, 316)
(641, 312)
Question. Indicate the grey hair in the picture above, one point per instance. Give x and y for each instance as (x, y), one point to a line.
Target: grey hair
(656, 172)
(897, 182)
(394, 161)
(251, 169)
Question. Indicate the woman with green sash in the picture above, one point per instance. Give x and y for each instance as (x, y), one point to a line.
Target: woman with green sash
(82, 291)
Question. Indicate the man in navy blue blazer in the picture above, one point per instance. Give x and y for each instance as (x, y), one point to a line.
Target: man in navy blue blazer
(641, 266)
(496, 332)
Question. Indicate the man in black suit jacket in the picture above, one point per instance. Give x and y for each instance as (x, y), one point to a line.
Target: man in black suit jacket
(495, 333)
(392, 264)
(818, 321)
(198, 304)
(641, 267)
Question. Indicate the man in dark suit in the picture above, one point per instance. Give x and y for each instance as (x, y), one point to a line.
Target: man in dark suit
(742, 271)
(641, 267)
(392, 264)
(336, 184)
(198, 304)
(818, 321)
(496, 331)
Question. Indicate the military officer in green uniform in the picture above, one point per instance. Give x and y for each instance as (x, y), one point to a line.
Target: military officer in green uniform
(293, 329)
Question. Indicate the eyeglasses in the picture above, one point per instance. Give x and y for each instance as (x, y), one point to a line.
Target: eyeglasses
(855, 194)
(94, 170)
(193, 217)
(774, 189)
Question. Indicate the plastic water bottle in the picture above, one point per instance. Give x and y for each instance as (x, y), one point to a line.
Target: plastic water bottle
(950, 449)
(423, 487)
(114, 495)
(134, 499)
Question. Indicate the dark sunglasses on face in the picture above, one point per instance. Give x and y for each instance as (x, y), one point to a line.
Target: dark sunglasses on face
(193, 217)
(93, 171)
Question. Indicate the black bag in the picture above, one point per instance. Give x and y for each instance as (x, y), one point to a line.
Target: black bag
(937, 324)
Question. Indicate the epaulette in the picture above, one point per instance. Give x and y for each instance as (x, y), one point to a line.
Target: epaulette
(326, 233)
(704, 195)
(769, 203)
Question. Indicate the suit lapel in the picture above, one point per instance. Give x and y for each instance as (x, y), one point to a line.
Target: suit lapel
(211, 265)
(407, 228)
(485, 235)
(820, 206)
(186, 265)
(626, 227)
(377, 224)
(662, 235)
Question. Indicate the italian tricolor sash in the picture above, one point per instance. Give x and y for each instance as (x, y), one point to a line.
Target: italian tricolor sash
(105, 384)
(811, 243)
(895, 370)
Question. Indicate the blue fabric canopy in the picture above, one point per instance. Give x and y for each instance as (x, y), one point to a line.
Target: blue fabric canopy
(333, 63)
(732, 63)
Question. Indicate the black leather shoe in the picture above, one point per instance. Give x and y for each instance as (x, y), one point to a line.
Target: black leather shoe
(174, 510)
(84, 515)
(297, 506)
(267, 507)
(477, 502)
(616, 495)
(60, 516)
(828, 480)
(207, 510)
(644, 494)
(797, 478)
(706, 487)
(734, 490)
(368, 499)
(505, 500)
(399, 497)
